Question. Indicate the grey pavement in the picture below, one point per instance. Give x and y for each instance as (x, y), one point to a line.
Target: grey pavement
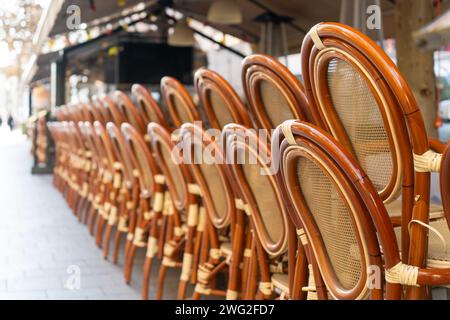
(42, 244)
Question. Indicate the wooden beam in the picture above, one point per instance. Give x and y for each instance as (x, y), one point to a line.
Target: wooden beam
(417, 66)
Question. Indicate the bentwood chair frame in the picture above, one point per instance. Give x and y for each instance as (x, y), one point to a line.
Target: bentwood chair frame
(267, 254)
(219, 240)
(179, 102)
(411, 156)
(371, 226)
(181, 220)
(291, 100)
(220, 102)
(148, 107)
(151, 186)
(129, 188)
(136, 117)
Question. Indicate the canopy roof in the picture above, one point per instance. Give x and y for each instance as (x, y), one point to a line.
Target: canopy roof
(304, 14)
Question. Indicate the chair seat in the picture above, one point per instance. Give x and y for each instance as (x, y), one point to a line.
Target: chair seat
(281, 281)
(394, 209)
(438, 254)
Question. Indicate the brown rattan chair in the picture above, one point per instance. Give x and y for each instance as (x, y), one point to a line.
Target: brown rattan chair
(178, 101)
(221, 104)
(341, 220)
(273, 93)
(178, 223)
(148, 107)
(129, 188)
(220, 229)
(260, 198)
(364, 101)
(151, 186)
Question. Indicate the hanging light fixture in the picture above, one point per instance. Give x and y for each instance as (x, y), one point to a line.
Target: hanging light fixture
(181, 35)
(225, 12)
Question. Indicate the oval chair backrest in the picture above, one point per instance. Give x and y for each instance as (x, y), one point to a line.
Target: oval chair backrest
(105, 140)
(361, 98)
(88, 132)
(220, 102)
(102, 105)
(249, 159)
(210, 173)
(133, 116)
(176, 174)
(147, 106)
(338, 209)
(122, 149)
(95, 111)
(179, 102)
(145, 161)
(273, 93)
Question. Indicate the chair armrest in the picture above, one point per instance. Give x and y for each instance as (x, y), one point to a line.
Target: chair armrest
(436, 145)
(444, 181)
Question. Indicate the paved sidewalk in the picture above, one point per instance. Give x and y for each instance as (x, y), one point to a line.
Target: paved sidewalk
(42, 243)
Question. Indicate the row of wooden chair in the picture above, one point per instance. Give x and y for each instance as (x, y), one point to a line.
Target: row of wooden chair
(335, 205)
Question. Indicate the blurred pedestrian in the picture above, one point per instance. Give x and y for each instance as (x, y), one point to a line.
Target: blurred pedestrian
(11, 122)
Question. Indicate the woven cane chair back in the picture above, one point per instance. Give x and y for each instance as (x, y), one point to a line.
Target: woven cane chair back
(103, 108)
(210, 173)
(122, 149)
(220, 102)
(332, 203)
(273, 93)
(250, 158)
(92, 143)
(178, 101)
(354, 100)
(146, 164)
(117, 115)
(86, 114)
(95, 110)
(106, 142)
(147, 106)
(177, 176)
(130, 111)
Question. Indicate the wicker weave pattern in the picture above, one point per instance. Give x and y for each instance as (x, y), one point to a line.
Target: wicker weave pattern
(215, 188)
(333, 220)
(275, 105)
(266, 200)
(180, 108)
(220, 108)
(149, 112)
(174, 171)
(361, 118)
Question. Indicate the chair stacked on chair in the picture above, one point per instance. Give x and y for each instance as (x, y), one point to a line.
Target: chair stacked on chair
(319, 202)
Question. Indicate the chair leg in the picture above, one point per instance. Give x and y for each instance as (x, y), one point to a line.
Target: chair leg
(250, 291)
(161, 278)
(108, 233)
(117, 241)
(86, 212)
(236, 258)
(129, 263)
(146, 278)
(92, 219)
(99, 231)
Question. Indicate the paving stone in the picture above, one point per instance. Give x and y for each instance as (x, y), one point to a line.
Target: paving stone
(40, 239)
